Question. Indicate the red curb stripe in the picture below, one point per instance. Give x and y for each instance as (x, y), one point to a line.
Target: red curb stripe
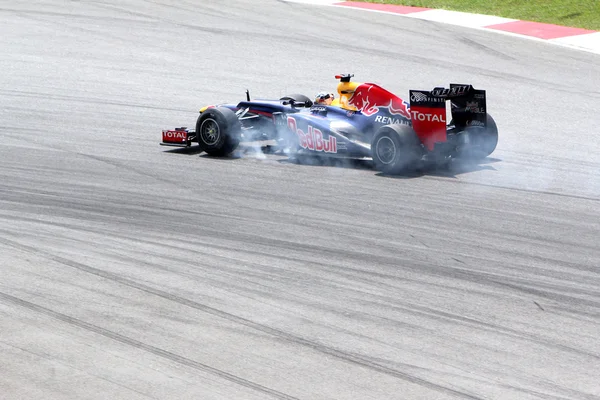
(539, 30)
(383, 7)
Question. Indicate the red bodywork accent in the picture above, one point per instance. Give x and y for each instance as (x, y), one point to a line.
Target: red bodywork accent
(429, 124)
(263, 113)
(539, 30)
(369, 98)
(174, 136)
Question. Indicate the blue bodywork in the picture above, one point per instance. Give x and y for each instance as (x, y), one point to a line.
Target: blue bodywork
(328, 130)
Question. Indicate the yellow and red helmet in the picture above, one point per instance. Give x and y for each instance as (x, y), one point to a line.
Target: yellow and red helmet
(324, 98)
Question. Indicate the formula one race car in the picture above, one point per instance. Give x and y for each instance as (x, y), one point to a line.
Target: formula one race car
(366, 121)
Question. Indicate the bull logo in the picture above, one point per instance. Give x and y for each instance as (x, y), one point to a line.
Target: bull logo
(369, 99)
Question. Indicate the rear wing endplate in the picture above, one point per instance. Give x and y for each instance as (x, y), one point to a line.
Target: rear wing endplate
(467, 104)
(428, 111)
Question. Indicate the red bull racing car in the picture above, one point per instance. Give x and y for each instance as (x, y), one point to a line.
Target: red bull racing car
(364, 121)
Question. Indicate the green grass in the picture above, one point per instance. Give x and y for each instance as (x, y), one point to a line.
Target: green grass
(575, 13)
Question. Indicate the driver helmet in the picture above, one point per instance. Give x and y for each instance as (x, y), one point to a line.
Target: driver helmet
(324, 98)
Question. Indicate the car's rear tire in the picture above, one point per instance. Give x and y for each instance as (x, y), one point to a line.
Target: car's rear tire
(218, 131)
(395, 148)
(481, 142)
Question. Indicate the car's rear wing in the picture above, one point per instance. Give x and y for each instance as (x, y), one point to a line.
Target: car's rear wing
(428, 111)
(468, 105)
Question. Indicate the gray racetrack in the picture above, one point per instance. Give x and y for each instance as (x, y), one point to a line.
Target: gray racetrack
(131, 271)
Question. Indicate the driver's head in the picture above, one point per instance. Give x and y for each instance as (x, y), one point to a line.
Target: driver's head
(324, 98)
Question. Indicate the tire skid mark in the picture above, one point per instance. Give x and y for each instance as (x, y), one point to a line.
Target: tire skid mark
(552, 291)
(416, 309)
(72, 16)
(408, 264)
(54, 360)
(346, 272)
(546, 396)
(75, 205)
(143, 346)
(480, 46)
(445, 271)
(184, 221)
(121, 164)
(340, 355)
(516, 189)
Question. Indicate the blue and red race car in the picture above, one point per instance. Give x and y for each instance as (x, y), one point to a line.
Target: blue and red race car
(365, 121)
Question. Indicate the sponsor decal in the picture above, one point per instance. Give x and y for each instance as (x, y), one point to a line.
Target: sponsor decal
(313, 138)
(422, 97)
(420, 116)
(318, 109)
(279, 119)
(476, 123)
(369, 99)
(390, 120)
(174, 136)
(430, 125)
(473, 106)
(418, 96)
(453, 91)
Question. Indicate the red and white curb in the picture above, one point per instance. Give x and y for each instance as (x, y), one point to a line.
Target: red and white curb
(582, 39)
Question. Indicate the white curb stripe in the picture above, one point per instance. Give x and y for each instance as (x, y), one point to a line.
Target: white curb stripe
(589, 42)
(459, 18)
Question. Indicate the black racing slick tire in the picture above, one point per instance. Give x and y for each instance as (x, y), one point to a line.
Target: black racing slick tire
(298, 98)
(481, 142)
(395, 149)
(218, 131)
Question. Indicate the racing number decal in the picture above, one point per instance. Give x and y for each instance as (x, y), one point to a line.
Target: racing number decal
(313, 138)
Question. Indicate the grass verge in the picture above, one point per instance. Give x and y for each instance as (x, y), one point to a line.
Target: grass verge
(575, 13)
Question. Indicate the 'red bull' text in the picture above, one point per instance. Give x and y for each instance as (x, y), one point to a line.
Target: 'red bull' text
(313, 138)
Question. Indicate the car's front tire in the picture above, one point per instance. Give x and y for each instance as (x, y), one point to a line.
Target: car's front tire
(218, 131)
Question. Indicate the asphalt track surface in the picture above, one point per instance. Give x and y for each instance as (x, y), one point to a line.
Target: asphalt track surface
(132, 271)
